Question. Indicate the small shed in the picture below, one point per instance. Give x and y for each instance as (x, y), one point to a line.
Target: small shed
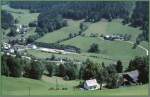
(91, 84)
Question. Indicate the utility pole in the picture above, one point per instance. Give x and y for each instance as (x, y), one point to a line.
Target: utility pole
(56, 84)
(29, 90)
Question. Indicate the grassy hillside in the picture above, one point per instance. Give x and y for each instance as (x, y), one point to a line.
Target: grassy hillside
(109, 49)
(20, 86)
(75, 57)
(145, 44)
(10, 84)
(113, 27)
(73, 27)
(115, 49)
(23, 16)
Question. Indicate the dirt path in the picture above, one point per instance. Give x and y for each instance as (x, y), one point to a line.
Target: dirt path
(140, 46)
(146, 50)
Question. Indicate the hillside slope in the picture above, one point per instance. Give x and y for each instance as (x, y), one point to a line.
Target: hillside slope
(20, 86)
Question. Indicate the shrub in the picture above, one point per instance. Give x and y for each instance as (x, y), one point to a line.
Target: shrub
(94, 48)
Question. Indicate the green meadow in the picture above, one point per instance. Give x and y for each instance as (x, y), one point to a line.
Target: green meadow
(110, 52)
(115, 49)
(113, 27)
(25, 86)
(23, 16)
(63, 33)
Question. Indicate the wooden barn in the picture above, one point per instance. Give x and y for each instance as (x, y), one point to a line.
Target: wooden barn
(131, 77)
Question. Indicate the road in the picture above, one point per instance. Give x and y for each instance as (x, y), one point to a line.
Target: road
(140, 46)
(146, 50)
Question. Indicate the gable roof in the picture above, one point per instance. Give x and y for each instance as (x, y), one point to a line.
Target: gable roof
(91, 82)
(134, 75)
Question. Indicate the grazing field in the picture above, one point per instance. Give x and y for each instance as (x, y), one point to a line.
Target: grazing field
(110, 51)
(75, 57)
(114, 49)
(76, 34)
(145, 44)
(20, 86)
(113, 27)
(63, 33)
(22, 15)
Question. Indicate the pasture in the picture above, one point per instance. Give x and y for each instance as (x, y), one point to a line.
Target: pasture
(74, 57)
(114, 49)
(110, 51)
(23, 16)
(20, 86)
(63, 33)
(114, 27)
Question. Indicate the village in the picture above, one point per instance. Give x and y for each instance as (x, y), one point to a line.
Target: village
(129, 78)
(73, 48)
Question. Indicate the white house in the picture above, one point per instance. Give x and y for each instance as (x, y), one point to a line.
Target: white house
(91, 84)
(18, 27)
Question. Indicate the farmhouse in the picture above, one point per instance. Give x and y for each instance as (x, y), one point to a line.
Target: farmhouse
(130, 77)
(114, 37)
(91, 84)
(21, 28)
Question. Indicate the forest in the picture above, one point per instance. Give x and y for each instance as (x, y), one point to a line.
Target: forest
(52, 14)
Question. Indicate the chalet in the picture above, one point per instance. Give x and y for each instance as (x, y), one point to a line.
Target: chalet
(91, 85)
(130, 77)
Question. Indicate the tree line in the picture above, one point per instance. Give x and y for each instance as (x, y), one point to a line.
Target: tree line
(90, 10)
(52, 14)
(35, 68)
(7, 20)
(140, 18)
